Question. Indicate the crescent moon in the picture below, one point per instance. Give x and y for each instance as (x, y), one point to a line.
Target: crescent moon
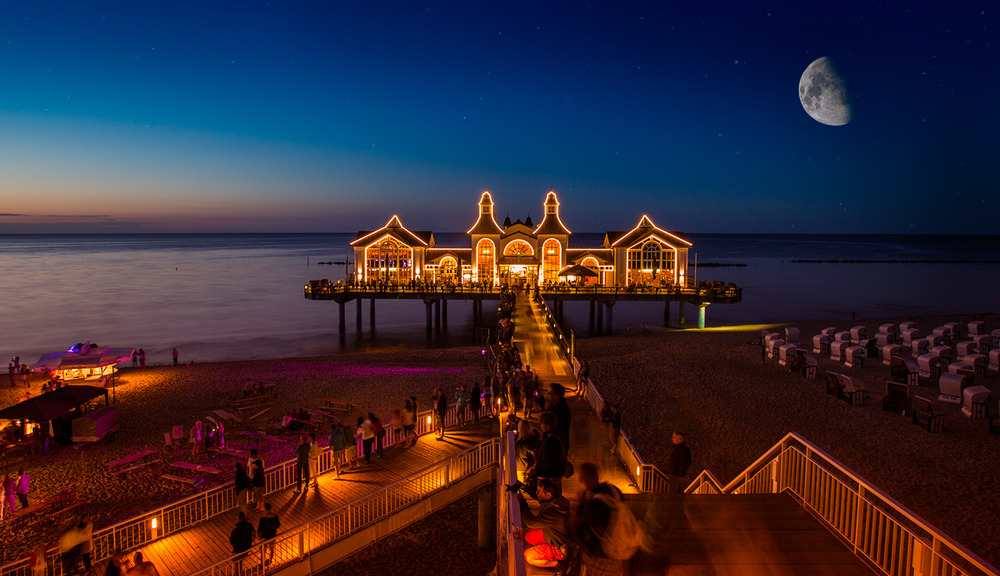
(823, 93)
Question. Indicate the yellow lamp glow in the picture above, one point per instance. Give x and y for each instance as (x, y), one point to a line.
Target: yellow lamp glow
(154, 523)
(638, 470)
(428, 419)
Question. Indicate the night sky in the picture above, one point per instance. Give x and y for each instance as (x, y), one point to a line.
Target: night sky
(332, 116)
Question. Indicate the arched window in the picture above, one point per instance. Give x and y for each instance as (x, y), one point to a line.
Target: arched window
(651, 253)
(448, 269)
(518, 248)
(389, 260)
(551, 260)
(485, 261)
(652, 261)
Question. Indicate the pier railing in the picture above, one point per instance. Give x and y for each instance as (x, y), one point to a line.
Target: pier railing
(295, 544)
(182, 514)
(328, 288)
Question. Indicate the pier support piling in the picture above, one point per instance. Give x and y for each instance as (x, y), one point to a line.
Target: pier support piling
(340, 325)
(427, 305)
(600, 318)
(358, 315)
(682, 319)
(592, 305)
(444, 313)
(371, 314)
(611, 315)
(701, 315)
(437, 313)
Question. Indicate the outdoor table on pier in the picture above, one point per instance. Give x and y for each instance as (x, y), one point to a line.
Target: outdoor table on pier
(261, 436)
(340, 405)
(133, 458)
(198, 467)
(227, 416)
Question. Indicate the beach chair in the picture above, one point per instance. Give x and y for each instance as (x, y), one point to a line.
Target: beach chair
(929, 365)
(904, 326)
(833, 383)
(838, 349)
(806, 363)
(852, 390)
(821, 344)
(842, 336)
(887, 329)
(854, 356)
(925, 416)
(904, 371)
(883, 339)
(994, 364)
(974, 400)
(909, 335)
(792, 335)
(830, 331)
(897, 397)
(871, 348)
(983, 343)
(996, 338)
(934, 340)
(979, 363)
(858, 333)
(786, 355)
(965, 348)
(889, 351)
(950, 387)
(976, 328)
(953, 330)
(919, 346)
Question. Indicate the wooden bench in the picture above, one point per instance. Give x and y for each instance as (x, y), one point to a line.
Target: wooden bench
(264, 406)
(197, 467)
(228, 451)
(193, 482)
(56, 513)
(133, 458)
(254, 400)
(340, 405)
(138, 466)
(227, 416)
(924, 416)
(259, 414)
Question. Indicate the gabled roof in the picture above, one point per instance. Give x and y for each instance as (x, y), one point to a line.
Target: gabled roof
(395, 229)
(485, 225)
(551, 224)
(644, 228)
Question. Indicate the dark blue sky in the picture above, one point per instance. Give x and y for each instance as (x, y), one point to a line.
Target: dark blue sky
(327, 116)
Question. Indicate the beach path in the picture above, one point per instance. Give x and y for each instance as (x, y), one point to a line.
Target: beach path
(208, 542)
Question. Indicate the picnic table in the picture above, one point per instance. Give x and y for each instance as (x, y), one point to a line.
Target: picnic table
(59, 503)
(262, 436)
(259, 414)
(325, 414)
(228, 451)
(198, 467)
(340, 405)
(227, 416)
(194, 482)
(133, 458)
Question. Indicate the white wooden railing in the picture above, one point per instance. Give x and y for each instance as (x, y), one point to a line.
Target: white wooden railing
(138, 531)
(887, 535)
(510, 547)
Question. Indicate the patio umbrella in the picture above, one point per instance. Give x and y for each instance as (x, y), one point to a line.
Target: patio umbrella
(579, 272)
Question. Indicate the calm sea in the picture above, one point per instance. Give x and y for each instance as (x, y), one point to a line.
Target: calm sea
(237, 296)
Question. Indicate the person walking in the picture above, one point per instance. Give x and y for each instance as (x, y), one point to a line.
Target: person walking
(301, 463)
(9, 504)
(461, 403)
(367, 437)
(86, 535)
(135, 358)
(142, 360)
(175, 356)
(476, 401)
(241, 539)
(267, 529)
(379, 430)
(337, 443)
(410, 421)
(22, 487)
(257, 479)
(36, 560)
(615, 420)
(314, 453)
(677, 466)
(556, 402)
(441, 409)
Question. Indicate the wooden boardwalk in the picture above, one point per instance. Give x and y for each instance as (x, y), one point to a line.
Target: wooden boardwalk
(208, 542)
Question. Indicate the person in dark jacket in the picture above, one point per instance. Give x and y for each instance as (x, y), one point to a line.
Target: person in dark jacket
(556, 402)
(592, 518)
(267, 528)
(476, 401)
(241, 539)
(548, 530)
(550, 457)
(302, 463)
(677, 466)
(441, 408)
(241, 485)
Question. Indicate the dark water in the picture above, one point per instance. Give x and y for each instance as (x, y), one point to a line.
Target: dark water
(234, 296)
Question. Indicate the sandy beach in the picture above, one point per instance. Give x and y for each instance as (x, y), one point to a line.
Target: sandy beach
(732, 406)
(711, 384)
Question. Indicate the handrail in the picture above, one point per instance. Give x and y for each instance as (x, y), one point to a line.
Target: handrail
(510, 548)
(329, 527)
(138, 531)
